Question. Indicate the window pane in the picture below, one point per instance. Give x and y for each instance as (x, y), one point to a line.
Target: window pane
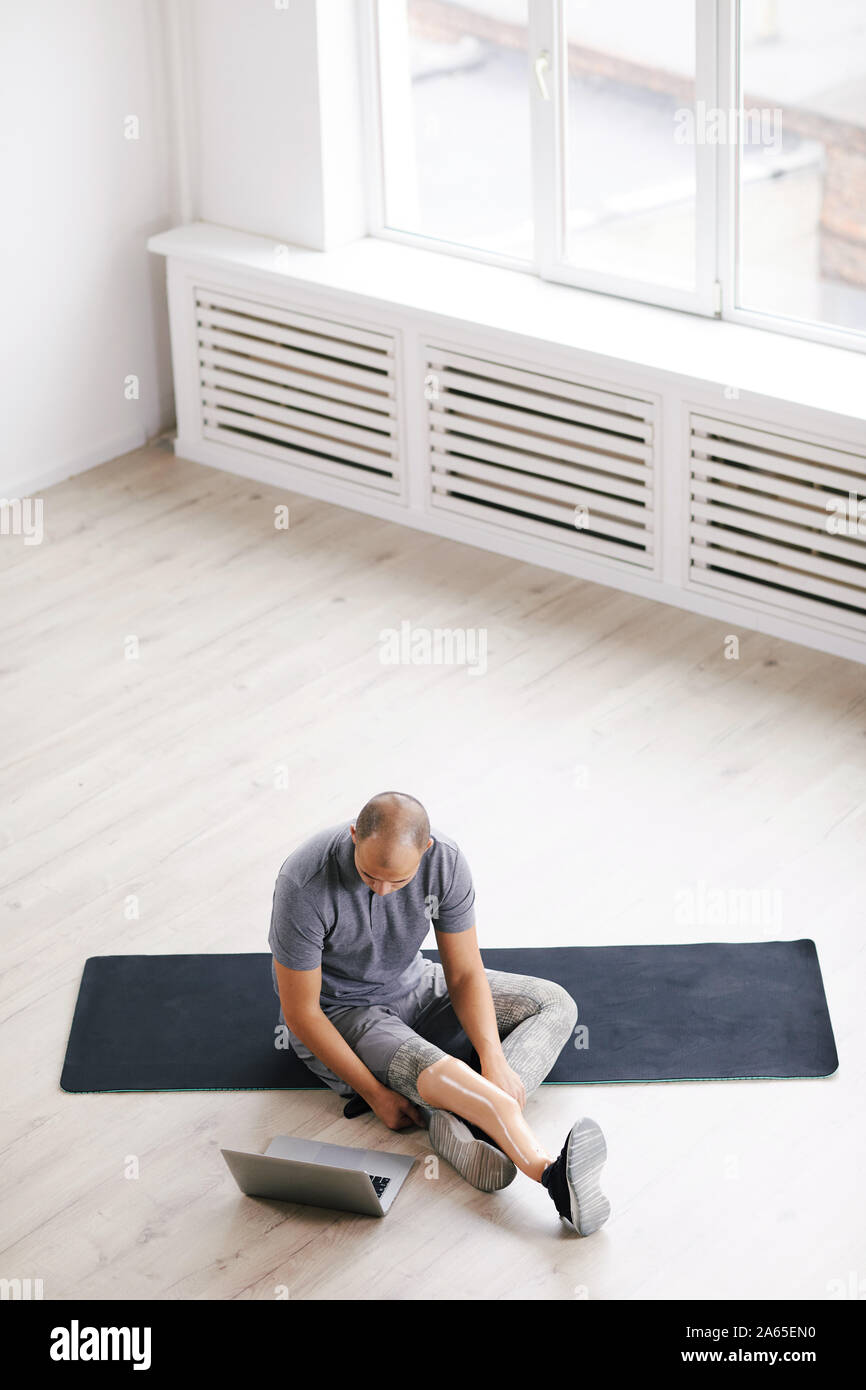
(455, 94)
(802, 167)
(630, 139)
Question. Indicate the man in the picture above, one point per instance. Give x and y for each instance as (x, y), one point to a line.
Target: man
(351, 908)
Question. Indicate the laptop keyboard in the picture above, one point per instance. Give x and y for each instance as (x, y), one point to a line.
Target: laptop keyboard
(379, 1184)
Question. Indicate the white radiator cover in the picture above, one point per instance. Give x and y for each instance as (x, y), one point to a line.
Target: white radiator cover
(777, 518)
(541, 454)
(302, 388)
(607, 471)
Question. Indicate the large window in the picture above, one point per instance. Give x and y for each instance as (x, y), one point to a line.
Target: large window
(709, 155)
(456, 120)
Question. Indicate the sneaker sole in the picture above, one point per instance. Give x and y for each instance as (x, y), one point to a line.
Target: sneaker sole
(585, 1158)
(480, 1164)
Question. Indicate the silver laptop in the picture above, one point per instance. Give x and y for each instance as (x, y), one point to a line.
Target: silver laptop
(321, 1175)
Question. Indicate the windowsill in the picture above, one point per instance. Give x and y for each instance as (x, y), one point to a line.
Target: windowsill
(700, 350)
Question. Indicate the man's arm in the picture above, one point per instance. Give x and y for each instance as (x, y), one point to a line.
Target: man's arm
(299, 996)
(472, 1002)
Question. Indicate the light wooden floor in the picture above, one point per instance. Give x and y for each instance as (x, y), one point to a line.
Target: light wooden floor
(610, 758)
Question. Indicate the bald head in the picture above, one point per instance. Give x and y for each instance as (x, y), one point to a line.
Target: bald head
(395, 818)
(391, 834)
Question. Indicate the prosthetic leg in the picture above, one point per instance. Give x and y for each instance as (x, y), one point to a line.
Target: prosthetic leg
(535, 1019)
(571, 1179)
(452, 1086)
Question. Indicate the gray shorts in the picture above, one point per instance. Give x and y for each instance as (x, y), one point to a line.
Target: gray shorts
(375, 1031)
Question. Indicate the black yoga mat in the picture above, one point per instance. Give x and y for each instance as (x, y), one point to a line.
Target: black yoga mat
(650, 1013)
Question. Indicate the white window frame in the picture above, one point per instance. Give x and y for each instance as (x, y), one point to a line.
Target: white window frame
(729, 208)
(549, 154)
(382, 29)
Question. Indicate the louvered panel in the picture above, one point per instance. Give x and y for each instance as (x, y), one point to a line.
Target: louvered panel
(588, 478)
(292, 318)
(778, 519)
(541, 454)
(298, 399)
(721, 585)
(768, 441)
(528, 430)
(809, 538)
(776, 465)
(516, 440)
(327, 426)
(567, 493)
(538, 404)
(326, 388)
(529, 525)
(542, 507)
(313, 392)
(320, 368)
(620, 403)
(792, 557)
(803, 512)
(272, 333)
(329, 446)
(791, 579)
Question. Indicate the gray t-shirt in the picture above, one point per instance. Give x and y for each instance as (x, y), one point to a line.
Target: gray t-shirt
(368, 946)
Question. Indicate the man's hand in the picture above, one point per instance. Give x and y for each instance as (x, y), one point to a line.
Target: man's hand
(394, 1110)
(497, 1070)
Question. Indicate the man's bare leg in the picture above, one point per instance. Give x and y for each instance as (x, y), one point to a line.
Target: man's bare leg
(450, 1084)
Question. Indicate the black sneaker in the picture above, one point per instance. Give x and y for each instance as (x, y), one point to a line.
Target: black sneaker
(572, 1179)
(355, 1105)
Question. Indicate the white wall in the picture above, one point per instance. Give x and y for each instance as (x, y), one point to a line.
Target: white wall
(242, 109)
(275, 106)
(256, 163)
(83, 302)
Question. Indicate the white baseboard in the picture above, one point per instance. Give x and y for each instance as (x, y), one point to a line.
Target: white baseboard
(29, 485)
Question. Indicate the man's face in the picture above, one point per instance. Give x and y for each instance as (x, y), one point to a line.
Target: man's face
(385, 866)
